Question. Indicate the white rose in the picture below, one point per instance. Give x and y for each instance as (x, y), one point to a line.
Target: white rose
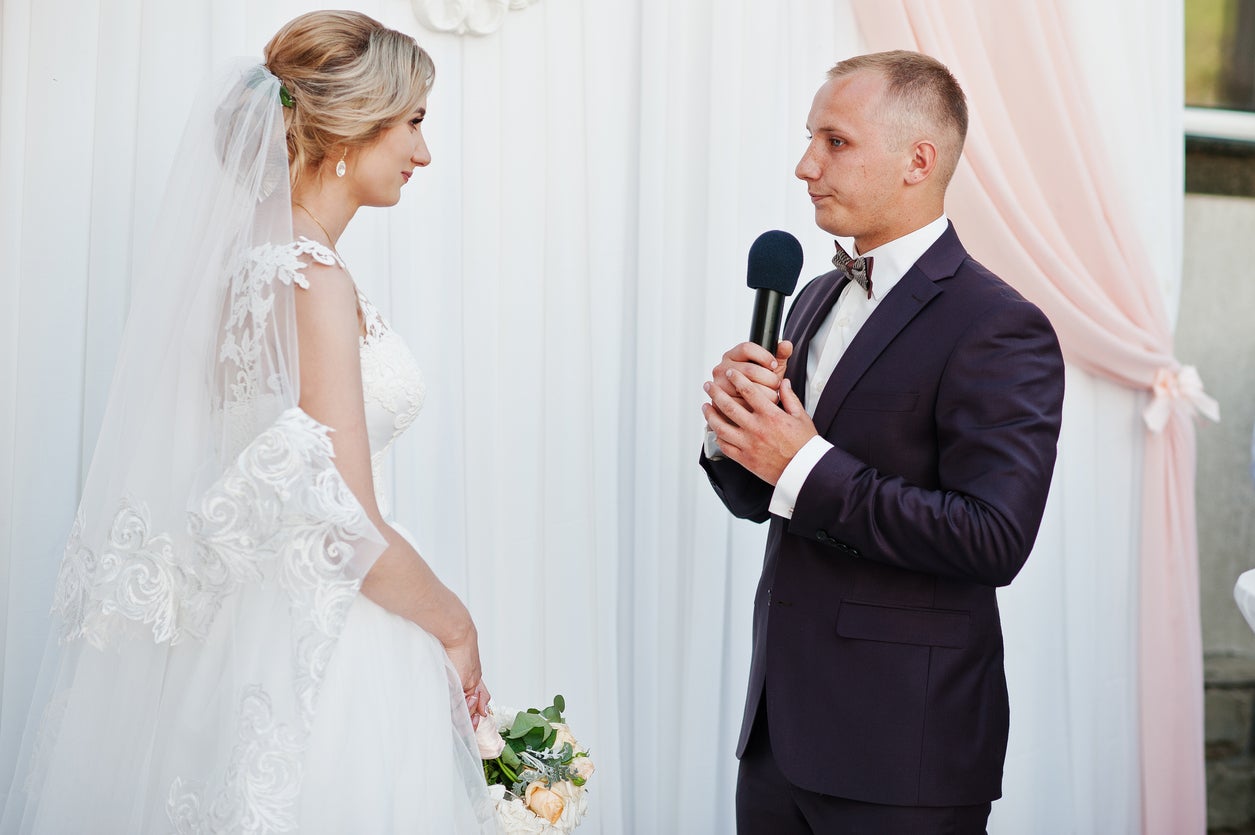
(576, 805)
(517, 819)
(502, 716)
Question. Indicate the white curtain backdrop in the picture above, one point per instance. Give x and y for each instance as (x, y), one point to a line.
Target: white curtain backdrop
(1071, 631)
(567, 271)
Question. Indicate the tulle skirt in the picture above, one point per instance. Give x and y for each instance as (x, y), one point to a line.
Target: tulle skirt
(222, 673)
(386, 736)
(153, 738)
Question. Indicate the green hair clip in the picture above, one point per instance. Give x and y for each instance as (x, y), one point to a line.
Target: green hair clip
(285, 98)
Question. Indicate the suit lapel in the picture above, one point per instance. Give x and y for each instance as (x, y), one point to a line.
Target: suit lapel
(916, 289)
(807, 321)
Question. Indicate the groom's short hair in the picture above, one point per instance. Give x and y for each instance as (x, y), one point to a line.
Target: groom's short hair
(924, 98)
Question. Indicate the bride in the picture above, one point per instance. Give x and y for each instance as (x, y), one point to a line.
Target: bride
(244, 642)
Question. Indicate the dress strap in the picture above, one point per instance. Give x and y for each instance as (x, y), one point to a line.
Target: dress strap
(320, 252)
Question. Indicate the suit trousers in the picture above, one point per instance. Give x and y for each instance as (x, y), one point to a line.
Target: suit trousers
(768, 804)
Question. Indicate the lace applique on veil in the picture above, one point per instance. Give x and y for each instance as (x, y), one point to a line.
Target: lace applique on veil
(164, 579)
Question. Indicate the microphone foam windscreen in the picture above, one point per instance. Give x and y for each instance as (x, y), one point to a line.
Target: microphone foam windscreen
(775, 262)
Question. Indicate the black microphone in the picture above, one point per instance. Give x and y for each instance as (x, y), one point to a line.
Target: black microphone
(775, 263)
(774, 266)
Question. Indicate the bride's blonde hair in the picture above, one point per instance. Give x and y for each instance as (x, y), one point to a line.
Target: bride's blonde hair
(349, 78)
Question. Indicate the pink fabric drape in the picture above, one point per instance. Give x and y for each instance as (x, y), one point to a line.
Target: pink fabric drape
(1034, 203)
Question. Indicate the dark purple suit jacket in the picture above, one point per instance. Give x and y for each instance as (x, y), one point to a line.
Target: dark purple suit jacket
(877, 643)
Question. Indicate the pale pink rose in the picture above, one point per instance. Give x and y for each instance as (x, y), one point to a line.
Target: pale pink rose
(543, 802)
(489, 739)
(583, 766)
(563, 735)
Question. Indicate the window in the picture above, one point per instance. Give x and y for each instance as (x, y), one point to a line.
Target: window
(1220, 97)
(1220, 54)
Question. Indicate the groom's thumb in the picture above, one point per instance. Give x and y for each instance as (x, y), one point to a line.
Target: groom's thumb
(789, 400)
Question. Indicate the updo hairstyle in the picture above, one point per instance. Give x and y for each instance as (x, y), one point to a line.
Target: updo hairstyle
(350, 78)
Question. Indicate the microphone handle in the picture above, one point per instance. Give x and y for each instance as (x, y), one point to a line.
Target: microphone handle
(764, 331)
(765, 323)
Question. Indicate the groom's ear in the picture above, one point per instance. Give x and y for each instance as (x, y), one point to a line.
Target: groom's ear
(921, 163)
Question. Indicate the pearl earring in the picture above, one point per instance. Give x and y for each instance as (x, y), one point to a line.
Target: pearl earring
(340, 166)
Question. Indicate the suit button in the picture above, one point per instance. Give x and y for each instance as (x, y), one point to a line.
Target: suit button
(822, 536)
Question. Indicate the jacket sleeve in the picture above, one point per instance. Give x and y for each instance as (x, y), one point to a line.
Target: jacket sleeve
(744, 494)
(996, 422)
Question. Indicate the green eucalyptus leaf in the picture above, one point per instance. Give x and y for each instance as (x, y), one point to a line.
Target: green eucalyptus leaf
(525, 723)
(559, 703)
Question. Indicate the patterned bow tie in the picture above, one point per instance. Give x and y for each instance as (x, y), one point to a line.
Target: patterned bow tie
(856, 269)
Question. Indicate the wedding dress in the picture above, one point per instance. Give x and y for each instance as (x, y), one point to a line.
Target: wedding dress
(387, 744)
(214, 666)
(396, 728)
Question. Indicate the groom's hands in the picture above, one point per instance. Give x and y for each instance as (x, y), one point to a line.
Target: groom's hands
(759, 421)
(756, 363)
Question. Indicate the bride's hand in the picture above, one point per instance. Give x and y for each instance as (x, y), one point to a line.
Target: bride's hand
(465, 657)
(477, 703)
(464, 653)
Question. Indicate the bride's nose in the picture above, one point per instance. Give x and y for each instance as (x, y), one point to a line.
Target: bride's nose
(421, 155)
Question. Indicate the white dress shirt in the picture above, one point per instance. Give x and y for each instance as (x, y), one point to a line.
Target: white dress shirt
(835, 333)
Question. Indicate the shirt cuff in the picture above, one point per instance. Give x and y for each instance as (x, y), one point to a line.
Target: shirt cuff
(784, 497)
(710, 446)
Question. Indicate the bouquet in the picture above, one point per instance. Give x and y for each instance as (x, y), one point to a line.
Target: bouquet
(535, 769)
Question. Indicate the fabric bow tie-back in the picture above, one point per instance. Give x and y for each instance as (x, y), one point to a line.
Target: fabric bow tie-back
(1180, 388)
(858, 270)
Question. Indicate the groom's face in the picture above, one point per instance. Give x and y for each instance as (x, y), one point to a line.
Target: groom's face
(853, 173)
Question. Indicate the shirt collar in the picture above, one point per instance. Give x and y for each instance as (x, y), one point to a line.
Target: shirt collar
(894, 258)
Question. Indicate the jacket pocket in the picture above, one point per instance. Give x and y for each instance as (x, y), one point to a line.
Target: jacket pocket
(903, 624)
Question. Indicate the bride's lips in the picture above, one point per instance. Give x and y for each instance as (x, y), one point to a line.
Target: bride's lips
(407, 175)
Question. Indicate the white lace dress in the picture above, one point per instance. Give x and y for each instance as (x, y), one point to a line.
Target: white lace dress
(390, 688)
(230, 677)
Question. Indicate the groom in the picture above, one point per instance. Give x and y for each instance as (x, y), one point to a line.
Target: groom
(901, 443)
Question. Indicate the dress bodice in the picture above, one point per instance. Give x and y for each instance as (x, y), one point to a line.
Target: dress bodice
(393, 387)
(392, 384)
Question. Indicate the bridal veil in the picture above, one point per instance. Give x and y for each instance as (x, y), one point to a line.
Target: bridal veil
(216, 550)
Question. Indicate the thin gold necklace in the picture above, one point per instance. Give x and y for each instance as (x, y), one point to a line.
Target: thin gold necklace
(330, 242)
